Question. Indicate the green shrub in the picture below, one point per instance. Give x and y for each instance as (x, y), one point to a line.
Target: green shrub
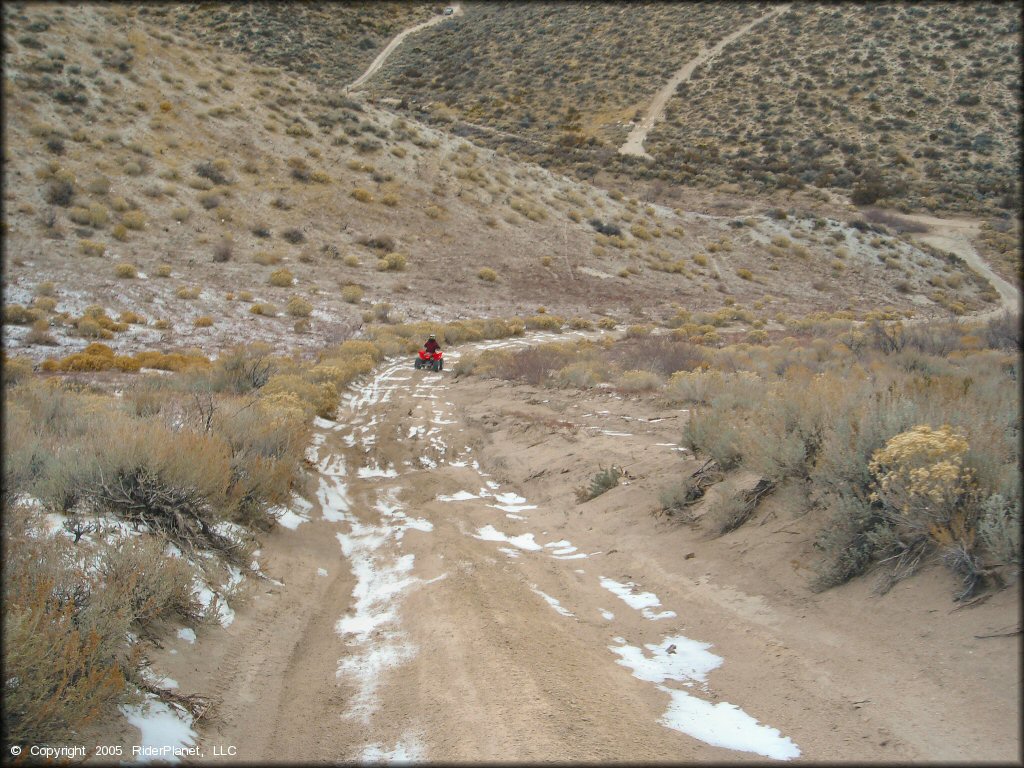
(602, 482)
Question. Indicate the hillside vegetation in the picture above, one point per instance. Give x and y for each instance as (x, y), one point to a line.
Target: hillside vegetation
(168, 194)
(577, 73)
(331, 43)
(908, 104)
(913, 104)
(892, 444)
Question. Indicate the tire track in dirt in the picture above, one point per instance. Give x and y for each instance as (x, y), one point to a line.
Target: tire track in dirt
(634, 144)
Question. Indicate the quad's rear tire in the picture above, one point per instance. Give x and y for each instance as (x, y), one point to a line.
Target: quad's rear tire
(418, 364)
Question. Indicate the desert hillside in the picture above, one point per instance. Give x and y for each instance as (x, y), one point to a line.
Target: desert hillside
(911, 105)
(155, 176)
(720, 460)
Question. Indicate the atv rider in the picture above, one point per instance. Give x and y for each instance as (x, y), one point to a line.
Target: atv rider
(431, 346)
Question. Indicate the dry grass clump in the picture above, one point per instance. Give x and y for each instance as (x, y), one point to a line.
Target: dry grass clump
(95, 215)
(545, 322)
(92, 247)
(392, 262)
(362, 195)
(126, 271)
(203, 321)
(187, 292)
(16, 314)
(638, 381)
(487, 274)
(267, 258)
(40, 333)
(299, 307)
(134, 220)
(352, 294)
(281, 278)
(263, 309)
(639, 330)
(131, 318)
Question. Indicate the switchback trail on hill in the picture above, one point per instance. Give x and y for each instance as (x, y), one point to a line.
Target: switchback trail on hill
(437, 598)
(634, 144)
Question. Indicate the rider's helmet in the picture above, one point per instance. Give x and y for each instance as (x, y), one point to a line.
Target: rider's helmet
(432, 336)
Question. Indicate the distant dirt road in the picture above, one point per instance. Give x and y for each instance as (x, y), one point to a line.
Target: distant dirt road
(635, 142)
(378, 62)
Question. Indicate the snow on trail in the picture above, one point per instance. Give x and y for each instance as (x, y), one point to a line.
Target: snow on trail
(163, 728)
(681, 659)
(372, 524)
(676, 659)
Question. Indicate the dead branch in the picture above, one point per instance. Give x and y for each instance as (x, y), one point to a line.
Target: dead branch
(707, 475)
(748, 501)
(197, 706)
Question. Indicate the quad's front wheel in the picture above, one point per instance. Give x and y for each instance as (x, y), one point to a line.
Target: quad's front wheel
(418, 364)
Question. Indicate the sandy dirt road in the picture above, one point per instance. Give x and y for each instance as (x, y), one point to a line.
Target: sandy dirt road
(396, 41)
(447, 600)
(634, 144)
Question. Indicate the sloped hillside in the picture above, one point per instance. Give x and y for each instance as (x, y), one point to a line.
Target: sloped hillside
(567, 74)
(193, 200)
(329, 42)
(912, 104)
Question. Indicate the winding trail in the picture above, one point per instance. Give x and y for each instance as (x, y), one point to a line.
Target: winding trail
(635, 141)
(398, 39)
(956, 235)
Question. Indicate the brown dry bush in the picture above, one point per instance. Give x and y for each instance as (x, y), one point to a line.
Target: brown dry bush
(661, 354)
(66, 656)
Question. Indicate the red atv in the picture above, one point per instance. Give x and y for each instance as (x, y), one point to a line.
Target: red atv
(434, 362)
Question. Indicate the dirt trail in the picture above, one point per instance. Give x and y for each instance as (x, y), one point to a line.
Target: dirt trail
(447, 600)
(956, 235)
(635, 141)
(378, 62)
